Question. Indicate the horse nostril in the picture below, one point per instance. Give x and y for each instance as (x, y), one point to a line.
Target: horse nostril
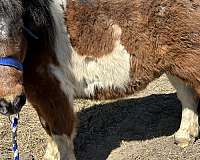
(8, 108)
(18, 102)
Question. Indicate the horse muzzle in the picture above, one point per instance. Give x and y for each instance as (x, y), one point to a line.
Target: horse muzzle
(9, 108)
(12, 95)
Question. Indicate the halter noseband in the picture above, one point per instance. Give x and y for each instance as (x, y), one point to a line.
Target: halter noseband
(11, 62)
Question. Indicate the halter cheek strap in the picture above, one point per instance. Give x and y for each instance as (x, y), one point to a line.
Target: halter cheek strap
(11, 62)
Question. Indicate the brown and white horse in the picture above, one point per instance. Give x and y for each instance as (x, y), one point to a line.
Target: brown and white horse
(97, 49)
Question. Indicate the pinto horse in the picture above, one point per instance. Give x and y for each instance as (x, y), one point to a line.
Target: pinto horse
(98, 49)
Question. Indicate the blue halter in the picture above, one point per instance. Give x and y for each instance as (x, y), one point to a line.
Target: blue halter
(11, 62)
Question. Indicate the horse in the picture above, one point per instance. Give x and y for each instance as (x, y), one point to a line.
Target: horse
(97, 49)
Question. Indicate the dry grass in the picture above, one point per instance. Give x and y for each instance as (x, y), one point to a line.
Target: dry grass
(139, 127)
(31, 136)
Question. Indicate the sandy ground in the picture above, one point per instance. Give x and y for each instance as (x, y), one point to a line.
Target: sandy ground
(140, 127)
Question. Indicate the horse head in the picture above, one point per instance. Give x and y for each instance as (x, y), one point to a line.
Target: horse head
(13, 47)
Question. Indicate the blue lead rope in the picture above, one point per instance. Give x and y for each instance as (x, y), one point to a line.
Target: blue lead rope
(14, 123)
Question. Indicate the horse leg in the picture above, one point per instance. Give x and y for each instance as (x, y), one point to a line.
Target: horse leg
(55, 110)
(189, 127)
(59, 146)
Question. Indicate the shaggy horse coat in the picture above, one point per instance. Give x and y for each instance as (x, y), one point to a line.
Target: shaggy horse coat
(102, 49)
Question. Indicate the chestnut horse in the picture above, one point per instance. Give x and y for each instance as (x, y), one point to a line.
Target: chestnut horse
(98, 49)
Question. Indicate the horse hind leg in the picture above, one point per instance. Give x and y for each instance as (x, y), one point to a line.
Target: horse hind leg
(189, 127)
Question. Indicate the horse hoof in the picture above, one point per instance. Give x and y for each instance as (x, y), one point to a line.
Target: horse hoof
(181, 142)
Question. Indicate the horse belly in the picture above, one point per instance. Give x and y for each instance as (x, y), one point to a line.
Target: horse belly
(103, 77)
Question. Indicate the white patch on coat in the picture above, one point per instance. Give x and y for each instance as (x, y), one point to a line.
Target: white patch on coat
(60, 148)
(189, 127)
(80, 75)
(111, 70)
(63, 72)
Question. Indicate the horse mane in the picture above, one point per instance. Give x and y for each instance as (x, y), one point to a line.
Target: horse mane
(38, 18)
(11, 9)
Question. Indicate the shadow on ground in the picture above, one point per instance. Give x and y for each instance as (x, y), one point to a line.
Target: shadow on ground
(103, 127)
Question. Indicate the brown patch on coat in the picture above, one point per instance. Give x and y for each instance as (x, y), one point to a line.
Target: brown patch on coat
(118, 92)
(161, 36)
(91, 32)
(11, 82)
(167, 40)
(114, 92)
(44, 92)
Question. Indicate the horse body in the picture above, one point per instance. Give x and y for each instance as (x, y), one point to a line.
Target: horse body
(104, 49)
(119, 47)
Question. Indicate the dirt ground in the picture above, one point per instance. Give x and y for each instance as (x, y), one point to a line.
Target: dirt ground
(140, 127)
